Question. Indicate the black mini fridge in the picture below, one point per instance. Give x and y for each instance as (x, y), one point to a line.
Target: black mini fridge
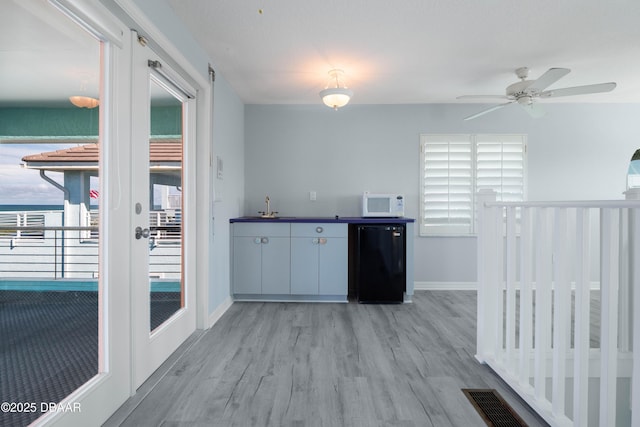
(380, 275)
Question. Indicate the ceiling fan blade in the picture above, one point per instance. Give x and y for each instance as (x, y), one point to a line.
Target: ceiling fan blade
(535, 110)
(482, 96)
(488, 110)
(547, 79)
(579, 90)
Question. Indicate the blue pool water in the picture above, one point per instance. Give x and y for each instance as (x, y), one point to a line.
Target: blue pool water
(75, 285)
(31, 207)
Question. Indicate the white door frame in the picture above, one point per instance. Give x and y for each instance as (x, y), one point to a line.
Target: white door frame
(199, 75)
(150, 349)
(104, 394)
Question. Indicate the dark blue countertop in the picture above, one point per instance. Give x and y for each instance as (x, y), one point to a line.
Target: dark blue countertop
(336, 219)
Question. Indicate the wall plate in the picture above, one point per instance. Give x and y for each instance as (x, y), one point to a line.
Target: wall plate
(219, 167)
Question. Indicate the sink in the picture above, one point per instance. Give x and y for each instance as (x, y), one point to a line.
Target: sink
(269, 218)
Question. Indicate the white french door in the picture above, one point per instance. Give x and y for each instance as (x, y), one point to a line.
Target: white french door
(162, 184)
(146, 307)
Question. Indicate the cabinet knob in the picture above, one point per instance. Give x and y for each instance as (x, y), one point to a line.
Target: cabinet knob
(257, 240)
(319, 229)
(322, 241)
(265, 240)
(314, 241)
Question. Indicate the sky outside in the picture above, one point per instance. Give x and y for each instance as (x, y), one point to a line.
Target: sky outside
(20, 186)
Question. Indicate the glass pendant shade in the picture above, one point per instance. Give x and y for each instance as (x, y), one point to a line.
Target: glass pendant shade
(336, 97)
(84, 101)
(336, 94)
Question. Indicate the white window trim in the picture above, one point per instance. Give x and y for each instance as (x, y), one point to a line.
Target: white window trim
(473, 139)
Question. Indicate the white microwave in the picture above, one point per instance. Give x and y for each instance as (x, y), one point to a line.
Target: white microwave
(382, 205)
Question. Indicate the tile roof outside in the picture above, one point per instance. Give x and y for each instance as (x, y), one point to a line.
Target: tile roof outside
(159, 152)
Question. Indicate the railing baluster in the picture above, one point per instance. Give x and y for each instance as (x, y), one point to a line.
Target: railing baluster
(484, 341)
(499, 286)
(582, 320)
(526, 311)
(490, 284)
(542, 304)
(634, 262)
(624, 316)
(510, 256)
(609, 321)
(561, 311)
(55, 254)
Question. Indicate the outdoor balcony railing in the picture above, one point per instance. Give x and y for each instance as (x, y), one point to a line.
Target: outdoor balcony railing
(57, 252)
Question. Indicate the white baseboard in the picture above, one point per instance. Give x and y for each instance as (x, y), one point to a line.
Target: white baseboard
(219, 311)
(472, 286)
(444, 286)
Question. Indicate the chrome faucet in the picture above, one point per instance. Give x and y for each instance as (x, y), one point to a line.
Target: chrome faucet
(267, 213)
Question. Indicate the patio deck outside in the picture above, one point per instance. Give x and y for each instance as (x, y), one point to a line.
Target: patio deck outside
(49, 301)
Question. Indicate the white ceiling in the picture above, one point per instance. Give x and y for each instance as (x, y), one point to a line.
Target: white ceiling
(392, 52)
(415, 51)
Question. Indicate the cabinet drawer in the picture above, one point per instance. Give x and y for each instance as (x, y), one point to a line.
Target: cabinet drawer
(251, 229)
(319, 230)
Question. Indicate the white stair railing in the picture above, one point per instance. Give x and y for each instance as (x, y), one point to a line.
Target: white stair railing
(556, 296)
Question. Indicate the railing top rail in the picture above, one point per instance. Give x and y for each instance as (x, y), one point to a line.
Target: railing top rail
(70, 228)
(52, 228)
(570, 204)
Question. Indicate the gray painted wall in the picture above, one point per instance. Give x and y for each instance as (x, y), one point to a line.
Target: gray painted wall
(576, 152)
(228, 145)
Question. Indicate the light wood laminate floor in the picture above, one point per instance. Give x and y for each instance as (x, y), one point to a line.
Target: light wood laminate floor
(297, 364)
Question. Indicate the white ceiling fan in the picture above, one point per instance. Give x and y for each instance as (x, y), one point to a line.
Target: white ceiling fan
(528, 92)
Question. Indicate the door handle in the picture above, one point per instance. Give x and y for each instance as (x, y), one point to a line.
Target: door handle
(140, 232)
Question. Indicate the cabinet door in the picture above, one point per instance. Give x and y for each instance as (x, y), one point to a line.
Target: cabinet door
(247, 268)
(304, 266)
(333, 270)
(276, 256)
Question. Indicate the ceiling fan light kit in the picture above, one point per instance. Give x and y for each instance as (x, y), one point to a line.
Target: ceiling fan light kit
(336, 94)
(527, 92)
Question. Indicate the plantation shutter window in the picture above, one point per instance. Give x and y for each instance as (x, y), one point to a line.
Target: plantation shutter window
(455, 167)
(447, 196)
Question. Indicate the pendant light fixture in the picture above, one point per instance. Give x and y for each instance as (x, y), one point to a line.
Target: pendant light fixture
(336, 94)
(84, 101)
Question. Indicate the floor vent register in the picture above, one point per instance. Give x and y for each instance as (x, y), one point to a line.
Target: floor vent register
(493, 409)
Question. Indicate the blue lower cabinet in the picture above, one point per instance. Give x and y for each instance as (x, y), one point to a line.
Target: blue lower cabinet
(261, 256)
(290, 262)
(319, 259)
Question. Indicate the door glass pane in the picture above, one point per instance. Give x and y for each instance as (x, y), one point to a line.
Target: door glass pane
(49, 201)
(165, 204)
